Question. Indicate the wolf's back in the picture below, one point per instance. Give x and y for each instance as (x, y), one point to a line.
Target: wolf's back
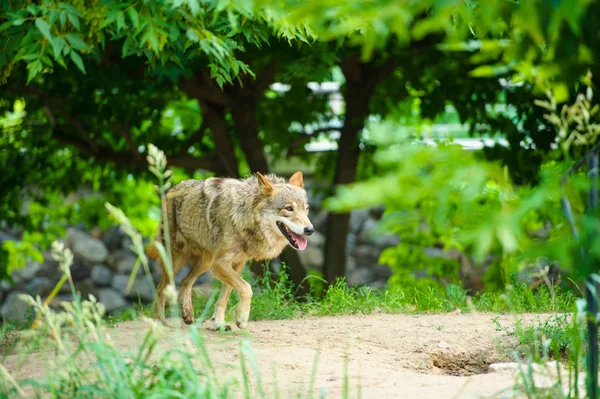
(169, 207)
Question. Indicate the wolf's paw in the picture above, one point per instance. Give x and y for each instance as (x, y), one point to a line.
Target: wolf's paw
(161, 319)
(187, 316)
(215, 326)
(242, 325)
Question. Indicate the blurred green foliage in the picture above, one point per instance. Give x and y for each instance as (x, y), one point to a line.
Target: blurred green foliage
(87, 85)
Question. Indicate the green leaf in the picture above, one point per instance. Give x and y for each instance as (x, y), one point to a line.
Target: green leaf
(70, 9)
(486, 71)
(63, 18)
(76, 42)
(120, 21)
(58, 43)
(560, 91)
(194, 6)
(34, 68)
(78, 61)
(507, 238)
(133, 16)
(6, 25)
(44, 27)
(74, 21)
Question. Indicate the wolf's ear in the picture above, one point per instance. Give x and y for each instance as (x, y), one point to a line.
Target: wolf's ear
(264, 185)
(296, 180)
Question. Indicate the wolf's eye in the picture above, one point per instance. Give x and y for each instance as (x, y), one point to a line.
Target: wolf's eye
(289, 209)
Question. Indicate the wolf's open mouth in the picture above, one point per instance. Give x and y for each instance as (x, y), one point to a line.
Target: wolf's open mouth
(295, 240)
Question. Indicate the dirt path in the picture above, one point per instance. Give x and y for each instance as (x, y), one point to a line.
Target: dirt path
(390, 356)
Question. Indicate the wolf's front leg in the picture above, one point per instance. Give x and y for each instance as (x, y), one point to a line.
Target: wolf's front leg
(218, 319)
(243, 312)
(231, 278)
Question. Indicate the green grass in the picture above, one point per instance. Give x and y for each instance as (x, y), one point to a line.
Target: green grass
(274, 299)
(83, 362)
(552, 336)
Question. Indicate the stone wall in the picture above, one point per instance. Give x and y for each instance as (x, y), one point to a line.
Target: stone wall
(363, 247)
(103, 263)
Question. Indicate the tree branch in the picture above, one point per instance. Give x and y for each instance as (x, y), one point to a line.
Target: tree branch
(264, 80)
(52, 104)
(125, 133)
(126, 158)
(203, 90)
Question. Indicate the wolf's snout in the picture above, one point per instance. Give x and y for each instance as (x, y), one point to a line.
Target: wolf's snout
(309, 230)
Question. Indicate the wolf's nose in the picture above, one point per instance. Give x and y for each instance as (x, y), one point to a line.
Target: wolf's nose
(309, 230)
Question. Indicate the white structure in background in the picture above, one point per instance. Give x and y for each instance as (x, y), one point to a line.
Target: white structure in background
(336, 101)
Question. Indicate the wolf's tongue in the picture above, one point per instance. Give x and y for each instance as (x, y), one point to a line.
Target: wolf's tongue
(300, 241)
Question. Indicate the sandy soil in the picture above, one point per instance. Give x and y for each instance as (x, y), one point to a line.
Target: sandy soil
(390, 356)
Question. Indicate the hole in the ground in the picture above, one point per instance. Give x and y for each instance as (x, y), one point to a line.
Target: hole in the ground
(460, 364)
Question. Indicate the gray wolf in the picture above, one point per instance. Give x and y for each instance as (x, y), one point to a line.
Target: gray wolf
(218, 224)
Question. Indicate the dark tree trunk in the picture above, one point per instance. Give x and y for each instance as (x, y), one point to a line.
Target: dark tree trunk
(243, 111)
(361, 80)
(224, 148)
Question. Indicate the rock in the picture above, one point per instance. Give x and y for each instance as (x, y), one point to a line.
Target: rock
(316, 240)
(350, 242)
(444, 345)
(312, 257)
(378, 284)
(126, 243)
(85, 288)
(96, 232)
(111, 299)
(359, 276)
(41, 286)
(386, 241)
(14, 308)
(366, 254)
(319, 221)
(30, 270)
(139, 288)
(5, 287)
(182, 274)
(112, 238)
(101, 275)
(85, 246)
(368, 232)
(381, 272)
(123, 261)
(6, 237)
(377, 212)
(50, 268)
(350, 263)
(435, 252)
(80, 270)
(357, 219)
(59, 299)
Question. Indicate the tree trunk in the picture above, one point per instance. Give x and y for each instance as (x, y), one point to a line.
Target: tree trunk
(360, 85)
(224, 148)
(243, 112)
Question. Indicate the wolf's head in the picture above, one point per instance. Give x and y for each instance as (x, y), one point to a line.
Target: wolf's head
(286, 208)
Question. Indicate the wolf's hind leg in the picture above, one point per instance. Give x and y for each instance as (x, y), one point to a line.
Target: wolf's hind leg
(230, 276)
(200, 264)
(159, 305)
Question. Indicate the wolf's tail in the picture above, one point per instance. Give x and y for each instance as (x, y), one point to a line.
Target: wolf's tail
(152, 251)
